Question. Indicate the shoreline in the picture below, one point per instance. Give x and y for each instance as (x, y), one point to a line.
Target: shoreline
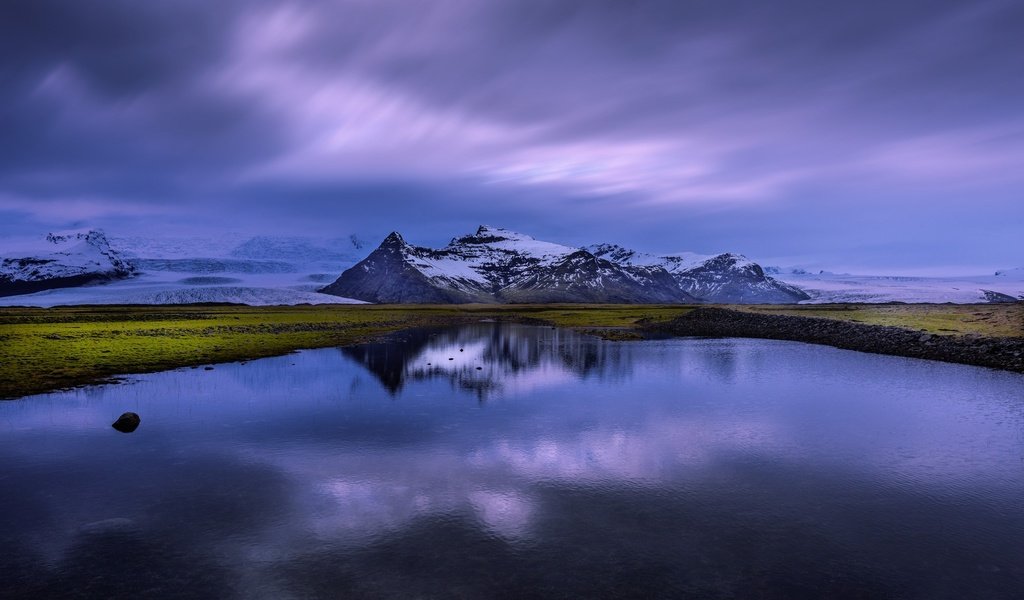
(1003, 353)
(47, 350)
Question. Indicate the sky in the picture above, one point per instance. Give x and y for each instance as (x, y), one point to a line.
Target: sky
(873, 136)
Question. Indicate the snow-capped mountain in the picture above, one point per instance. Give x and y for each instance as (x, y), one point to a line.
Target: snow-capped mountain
(723, 278)
(64, 260)
(498, 265)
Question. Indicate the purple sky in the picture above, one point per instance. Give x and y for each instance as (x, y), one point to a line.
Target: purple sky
(872, 136)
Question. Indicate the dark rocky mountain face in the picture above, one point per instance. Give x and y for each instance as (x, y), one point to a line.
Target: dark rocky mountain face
(497, 265)
(389, 275)
(729, 278)
(67, 260)
(723, 278)
(583, 277)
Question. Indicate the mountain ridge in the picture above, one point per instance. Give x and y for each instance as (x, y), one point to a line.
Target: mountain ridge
(499, 265)
(65, 260)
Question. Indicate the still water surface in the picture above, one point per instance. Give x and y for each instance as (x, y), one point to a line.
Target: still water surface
(494, 461)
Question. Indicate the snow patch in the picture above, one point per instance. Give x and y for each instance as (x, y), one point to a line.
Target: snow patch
(64, 255)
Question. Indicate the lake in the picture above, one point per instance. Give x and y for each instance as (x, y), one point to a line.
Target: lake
(496, 460)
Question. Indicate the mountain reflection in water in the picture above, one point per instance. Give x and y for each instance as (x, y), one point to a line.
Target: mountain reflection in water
(484, 359)
(565, 466)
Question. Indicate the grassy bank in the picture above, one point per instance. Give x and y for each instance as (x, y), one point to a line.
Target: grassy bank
(47, 349)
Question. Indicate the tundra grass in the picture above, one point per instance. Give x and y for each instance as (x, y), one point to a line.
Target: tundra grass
(47, 349)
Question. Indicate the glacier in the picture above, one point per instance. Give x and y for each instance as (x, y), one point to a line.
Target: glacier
(192, 270)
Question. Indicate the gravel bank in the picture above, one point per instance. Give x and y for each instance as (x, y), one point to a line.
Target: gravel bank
(1005, 353)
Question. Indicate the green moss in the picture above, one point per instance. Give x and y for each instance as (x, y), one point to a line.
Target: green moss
(46, 349)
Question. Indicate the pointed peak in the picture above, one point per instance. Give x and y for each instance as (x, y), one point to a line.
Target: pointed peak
(394, 240)
(394, 236)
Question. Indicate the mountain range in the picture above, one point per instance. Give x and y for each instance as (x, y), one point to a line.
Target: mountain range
(490, 265)
(498, 265)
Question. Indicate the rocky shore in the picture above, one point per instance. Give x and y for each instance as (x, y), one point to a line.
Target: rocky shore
(1005, 353)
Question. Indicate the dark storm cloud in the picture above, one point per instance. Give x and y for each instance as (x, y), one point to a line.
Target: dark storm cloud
(655, 122)
(103, 96)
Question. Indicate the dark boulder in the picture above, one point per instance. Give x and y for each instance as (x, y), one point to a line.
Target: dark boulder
(127, 423)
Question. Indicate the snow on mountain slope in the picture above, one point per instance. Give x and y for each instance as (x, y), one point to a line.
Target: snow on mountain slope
(63, 260)
(491, 258)
(827, 287)
(195, 269)
(583, 277)
(679, 261)
(498, 265)
(725, 278)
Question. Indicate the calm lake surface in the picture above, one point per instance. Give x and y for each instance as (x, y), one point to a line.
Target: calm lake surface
(494, 461)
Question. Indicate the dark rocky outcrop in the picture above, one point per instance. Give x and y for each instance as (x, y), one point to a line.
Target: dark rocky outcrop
(13, 287)
(127, 423)
(994, 352)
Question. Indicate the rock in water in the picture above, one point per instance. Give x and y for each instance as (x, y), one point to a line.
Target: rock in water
(127, 423)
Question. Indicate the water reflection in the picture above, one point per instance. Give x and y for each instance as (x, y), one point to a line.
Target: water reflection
(484, 359)
(712, 468)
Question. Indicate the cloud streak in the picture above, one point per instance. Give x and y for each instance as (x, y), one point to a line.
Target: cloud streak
(657, 121)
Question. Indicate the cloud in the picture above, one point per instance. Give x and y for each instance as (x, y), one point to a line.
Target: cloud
(586, 110)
